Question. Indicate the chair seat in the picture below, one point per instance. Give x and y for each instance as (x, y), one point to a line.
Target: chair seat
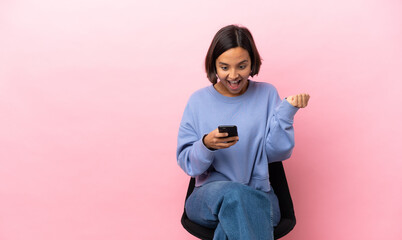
(196, 229)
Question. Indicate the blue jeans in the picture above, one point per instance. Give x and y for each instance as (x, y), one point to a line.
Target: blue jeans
(236, 211)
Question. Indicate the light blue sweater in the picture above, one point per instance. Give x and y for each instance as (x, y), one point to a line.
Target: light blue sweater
(264, 124)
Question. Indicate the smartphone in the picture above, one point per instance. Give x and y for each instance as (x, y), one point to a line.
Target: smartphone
(231, 129)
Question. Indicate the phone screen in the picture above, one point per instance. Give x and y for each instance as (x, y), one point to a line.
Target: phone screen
(230, 129)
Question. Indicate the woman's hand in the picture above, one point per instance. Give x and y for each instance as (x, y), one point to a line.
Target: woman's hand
(217, 140)
(299, 100)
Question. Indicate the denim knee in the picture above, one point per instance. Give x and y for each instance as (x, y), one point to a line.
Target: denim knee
(236, 191)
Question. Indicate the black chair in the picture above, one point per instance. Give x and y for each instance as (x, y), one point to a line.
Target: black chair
(279, 183)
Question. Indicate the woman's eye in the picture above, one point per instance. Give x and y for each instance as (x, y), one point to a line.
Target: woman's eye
(224, 68)
(242, 66)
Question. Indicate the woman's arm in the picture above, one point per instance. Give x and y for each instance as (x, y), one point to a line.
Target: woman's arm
(192, 155)
(280, 138)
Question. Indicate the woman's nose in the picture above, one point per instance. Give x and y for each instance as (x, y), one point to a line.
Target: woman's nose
(233, 74)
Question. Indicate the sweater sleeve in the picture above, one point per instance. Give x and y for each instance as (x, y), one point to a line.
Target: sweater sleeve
(192, 155)
(280, 138)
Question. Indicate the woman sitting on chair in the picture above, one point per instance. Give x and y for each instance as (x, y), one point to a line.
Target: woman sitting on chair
(233, 193)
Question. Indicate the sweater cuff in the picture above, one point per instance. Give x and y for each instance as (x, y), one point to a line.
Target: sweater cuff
(203, 151)
(286, 110)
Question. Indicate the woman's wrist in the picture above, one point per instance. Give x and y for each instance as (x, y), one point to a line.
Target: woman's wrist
(212, 149)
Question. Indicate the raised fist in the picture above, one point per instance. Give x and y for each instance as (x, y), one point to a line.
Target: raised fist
(299, 100)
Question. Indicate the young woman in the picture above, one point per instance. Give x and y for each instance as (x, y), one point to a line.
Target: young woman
(233, 193)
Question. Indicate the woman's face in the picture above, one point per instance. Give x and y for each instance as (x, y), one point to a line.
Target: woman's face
(233, 68)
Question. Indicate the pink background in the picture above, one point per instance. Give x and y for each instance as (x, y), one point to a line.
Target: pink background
(92, 93)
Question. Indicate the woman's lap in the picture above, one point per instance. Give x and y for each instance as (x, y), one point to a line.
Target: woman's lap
(235, 205)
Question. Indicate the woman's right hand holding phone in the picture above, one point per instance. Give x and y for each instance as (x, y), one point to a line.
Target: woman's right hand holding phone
(217, 140)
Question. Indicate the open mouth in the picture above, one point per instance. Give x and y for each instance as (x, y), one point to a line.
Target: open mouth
(234, 84)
